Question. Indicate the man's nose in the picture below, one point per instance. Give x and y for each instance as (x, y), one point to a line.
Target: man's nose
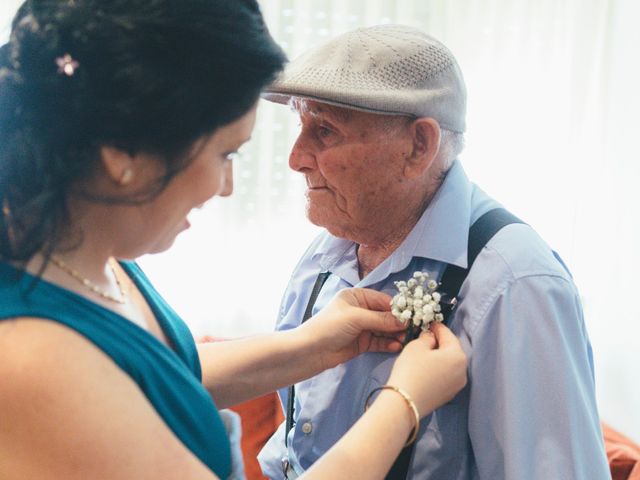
(302, 156)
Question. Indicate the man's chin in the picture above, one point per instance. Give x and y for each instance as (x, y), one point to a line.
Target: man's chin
(315, 216)
(320, 220)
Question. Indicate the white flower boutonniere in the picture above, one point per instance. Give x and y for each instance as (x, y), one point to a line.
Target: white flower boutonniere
(417, 302)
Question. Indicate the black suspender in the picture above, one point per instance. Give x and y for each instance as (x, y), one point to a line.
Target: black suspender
(322, 277)
(452, 279)
(480, 233)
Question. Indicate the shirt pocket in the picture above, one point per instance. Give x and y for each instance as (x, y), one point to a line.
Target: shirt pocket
(376, 379)
(450, 419)
(441, 447)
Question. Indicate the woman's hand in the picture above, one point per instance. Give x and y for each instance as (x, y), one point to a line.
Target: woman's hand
(357, 320)
(432, 369)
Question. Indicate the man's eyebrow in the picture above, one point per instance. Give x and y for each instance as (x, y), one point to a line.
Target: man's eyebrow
(339, 114)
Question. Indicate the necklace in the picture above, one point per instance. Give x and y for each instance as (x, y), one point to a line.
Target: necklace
(122, 299)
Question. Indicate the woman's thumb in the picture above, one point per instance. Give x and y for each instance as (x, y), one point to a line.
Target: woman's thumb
(444, 336)
(379, 321)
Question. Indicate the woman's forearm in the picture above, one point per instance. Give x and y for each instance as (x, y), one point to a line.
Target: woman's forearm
(370, 447)
(237, 370)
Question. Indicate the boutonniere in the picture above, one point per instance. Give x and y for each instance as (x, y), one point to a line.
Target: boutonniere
(417, 303)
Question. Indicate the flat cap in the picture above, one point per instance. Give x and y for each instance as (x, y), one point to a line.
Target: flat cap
(386, 69)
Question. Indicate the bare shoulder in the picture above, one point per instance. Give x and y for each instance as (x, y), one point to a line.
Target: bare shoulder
(64, 398)
(36, 339)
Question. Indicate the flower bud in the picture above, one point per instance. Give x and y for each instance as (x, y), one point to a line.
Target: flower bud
(401, 302)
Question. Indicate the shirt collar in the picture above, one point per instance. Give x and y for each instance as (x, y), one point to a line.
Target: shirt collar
(441, 233)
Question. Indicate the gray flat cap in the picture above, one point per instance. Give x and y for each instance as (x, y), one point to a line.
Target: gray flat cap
(387, 69)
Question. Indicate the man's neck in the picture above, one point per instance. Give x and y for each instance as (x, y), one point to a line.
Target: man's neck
(376, 245)
(372, 254)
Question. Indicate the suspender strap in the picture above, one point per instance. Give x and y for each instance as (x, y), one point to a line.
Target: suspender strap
(400, 467)
(452, 279)
(322, 277)
(480, 233)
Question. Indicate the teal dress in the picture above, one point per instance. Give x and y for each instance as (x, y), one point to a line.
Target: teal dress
(170, 379)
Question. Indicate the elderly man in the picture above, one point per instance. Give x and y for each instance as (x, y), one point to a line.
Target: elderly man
(382, 113)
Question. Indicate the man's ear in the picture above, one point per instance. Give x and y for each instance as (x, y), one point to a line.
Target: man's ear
(118, 165)
(426, 145)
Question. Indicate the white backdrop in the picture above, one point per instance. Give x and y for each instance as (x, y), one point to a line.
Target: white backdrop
(552, 123)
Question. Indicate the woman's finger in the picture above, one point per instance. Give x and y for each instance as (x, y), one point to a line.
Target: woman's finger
(444, 337)
(427, 339)
(372, 299)
(384, 345)
(382, 322)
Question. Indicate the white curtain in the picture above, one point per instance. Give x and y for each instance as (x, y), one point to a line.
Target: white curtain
(553, 108)
(552, 120)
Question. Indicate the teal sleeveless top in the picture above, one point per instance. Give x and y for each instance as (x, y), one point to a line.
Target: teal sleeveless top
(170, 379)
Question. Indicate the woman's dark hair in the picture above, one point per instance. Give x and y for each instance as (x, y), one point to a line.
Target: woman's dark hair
(147, 76)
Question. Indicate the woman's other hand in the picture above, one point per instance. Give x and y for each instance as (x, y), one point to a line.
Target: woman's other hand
(432, 369)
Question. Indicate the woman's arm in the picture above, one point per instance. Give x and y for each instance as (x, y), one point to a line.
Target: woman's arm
(355, 321)
(64, 399)
(68, 411)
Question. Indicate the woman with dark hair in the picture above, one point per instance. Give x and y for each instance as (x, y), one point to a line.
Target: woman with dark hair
(117, 118)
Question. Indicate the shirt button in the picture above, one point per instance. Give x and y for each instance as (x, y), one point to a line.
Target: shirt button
(307, 428)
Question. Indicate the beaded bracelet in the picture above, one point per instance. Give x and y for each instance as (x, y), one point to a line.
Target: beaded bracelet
(410, 403)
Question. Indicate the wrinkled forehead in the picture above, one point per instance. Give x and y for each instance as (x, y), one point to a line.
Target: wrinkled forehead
(312, 108)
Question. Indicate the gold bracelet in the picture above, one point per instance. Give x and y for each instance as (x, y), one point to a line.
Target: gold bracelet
(410, 403)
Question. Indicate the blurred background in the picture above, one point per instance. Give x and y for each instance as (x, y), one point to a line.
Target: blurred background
(552, 131)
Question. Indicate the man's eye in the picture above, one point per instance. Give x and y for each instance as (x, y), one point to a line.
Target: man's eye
(324, 132)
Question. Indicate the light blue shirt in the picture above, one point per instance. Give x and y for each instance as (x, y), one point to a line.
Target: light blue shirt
(529, 409)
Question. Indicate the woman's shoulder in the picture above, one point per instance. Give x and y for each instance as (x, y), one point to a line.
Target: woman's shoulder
(62, 396)
(36, 350)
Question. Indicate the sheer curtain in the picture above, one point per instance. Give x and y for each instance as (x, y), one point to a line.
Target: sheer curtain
(552, 122)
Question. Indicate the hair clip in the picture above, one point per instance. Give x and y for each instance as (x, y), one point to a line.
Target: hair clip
(67, 65)
(6, 211)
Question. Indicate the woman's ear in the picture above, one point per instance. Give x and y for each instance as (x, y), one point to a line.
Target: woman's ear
(118, 165)
(426, 145)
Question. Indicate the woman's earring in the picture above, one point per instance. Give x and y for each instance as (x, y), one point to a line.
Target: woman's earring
(126, 177)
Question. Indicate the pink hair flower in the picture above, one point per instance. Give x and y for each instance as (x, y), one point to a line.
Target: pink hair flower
(67, 65)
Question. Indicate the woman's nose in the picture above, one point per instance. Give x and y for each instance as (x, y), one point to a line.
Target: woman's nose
(227, 186)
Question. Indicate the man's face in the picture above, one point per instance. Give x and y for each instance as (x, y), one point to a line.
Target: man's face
(353, 163)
